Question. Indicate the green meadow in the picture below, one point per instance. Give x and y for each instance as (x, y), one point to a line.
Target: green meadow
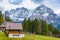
(28, 37)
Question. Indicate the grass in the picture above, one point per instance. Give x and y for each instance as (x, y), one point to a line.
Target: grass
(28, 37)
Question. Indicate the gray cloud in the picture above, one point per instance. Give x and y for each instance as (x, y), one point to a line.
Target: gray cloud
(37, 1)
(0, 0)
(15, 2)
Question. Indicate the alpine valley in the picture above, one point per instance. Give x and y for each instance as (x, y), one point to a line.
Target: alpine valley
(41, 12)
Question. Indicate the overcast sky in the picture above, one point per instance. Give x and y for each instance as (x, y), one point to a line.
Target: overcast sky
(30, 4)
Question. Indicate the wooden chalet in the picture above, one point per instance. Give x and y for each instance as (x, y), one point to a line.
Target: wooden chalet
(14, 30)
(2, 28)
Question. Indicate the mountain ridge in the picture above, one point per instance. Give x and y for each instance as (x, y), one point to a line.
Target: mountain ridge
(41, 11)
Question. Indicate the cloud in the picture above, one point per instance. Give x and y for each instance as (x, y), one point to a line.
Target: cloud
(30, 4)
(15, 2)
(26, 3)
(53, 4)
(37, 1)
(0, 0)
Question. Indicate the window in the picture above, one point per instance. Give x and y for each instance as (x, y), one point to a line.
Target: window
(16, 35)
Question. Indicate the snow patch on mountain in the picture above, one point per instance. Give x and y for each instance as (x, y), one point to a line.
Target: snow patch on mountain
(41, 12)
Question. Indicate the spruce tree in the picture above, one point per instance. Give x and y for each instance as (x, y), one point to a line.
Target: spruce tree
(29, 25)
(1, 18)
(24, 25)
(50, 27)
(8, 19)
(36, 25)
(44, 28)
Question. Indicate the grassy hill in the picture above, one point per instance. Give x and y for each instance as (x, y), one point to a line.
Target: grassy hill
(28, 37)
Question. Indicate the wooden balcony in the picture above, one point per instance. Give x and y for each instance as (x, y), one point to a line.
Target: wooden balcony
(15, 32)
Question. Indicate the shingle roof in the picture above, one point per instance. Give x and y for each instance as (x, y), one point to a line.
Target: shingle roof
(2, 25)
(14, 26)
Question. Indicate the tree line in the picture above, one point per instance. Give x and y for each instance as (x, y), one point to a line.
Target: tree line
(39, 27)
(3, 19)
(34, 26)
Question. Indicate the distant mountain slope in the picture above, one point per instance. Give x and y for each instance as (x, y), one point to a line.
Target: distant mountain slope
(46, 13)
(41, 11)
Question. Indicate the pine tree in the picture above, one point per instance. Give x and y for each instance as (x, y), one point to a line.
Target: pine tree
(8, 19)
(29, 23)
(1, 18)
(24, 25)
(55, 31)
(50, 27)
(36, 25)
(44, 28)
